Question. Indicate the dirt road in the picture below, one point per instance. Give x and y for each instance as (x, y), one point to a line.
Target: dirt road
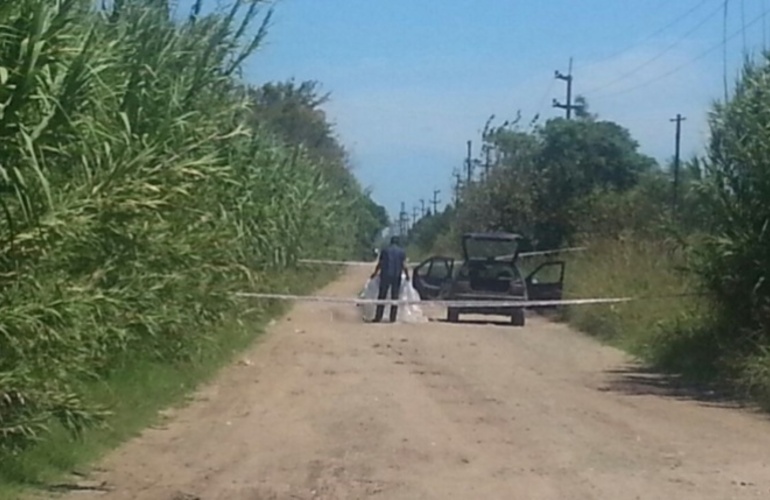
(325, 407)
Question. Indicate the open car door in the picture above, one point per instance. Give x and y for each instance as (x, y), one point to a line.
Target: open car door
(430, 276)
(546, 282)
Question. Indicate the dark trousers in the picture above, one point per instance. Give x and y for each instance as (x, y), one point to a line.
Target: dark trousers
(394, 284)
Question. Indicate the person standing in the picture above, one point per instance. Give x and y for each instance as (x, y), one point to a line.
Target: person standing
(391, 264)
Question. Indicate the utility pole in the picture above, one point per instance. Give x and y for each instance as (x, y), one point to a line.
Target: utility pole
(469, 163)
(435, 201)
(422, 207)
(403, 219)
(567, 78)
(678, 120)
(458, 185)
(415, 213)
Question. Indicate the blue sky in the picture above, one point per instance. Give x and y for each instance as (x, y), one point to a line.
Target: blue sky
(412, 80)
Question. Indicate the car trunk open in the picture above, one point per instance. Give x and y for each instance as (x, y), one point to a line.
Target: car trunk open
(489, 260)
(490, 276)
(491, 247)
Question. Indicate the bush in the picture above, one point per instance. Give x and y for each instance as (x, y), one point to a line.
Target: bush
(733, 259)
(133, 198)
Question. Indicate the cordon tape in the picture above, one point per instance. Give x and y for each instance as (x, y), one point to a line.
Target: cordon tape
(450, 303)
(445, 303)
(362, 263)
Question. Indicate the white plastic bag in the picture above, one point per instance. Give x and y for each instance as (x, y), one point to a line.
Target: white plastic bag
(370, 291)
(413, 312)
(406, 314)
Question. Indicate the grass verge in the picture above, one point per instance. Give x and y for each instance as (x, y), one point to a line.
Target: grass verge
(670, 329)
(137, 391)
(666, 328)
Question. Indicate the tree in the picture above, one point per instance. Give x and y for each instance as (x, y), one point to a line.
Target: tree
(427, 230)
(544, 178)
(543, 175)
(582, 109)
(294, 114)
(577, 158)
(504, 200)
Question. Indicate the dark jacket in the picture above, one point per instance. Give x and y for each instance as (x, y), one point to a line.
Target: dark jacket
(392, 260)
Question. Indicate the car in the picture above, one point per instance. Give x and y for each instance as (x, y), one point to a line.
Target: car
(489, 271)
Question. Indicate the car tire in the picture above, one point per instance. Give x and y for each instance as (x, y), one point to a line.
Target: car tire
(518, 318)
(452, 316)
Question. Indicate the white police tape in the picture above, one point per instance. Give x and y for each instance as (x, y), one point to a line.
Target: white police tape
(548, 252)
(362, 263)
(336, 262)
(445, 303)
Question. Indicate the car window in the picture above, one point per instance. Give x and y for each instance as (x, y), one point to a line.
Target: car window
(480, 248)
(549, 273)
(439, 269)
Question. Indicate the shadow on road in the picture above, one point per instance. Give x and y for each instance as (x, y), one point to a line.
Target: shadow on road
(636, 380)
(476, 322)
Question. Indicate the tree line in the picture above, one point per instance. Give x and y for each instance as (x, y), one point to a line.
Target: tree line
(585, 182)
(142, 181)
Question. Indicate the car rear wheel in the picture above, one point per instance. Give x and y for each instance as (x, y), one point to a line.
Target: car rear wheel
(452, 316)
(517, 317)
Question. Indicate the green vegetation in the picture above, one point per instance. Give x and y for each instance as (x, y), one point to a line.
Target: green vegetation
(655, 328)
(136, 391)
(141, 183)
(700, 269)
(432, 234)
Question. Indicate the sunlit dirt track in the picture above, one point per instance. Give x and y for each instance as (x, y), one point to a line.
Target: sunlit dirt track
(326, 407)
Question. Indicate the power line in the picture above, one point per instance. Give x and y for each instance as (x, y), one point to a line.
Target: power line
(743, 22)
(724, 49)
(659, 54)
(546, 95)
(652, 35)
(630, 46)
(764, 25)
(697, 58)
